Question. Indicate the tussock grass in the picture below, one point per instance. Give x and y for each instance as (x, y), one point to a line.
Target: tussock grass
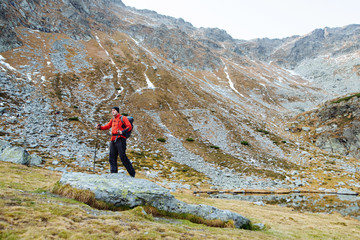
(84, 196)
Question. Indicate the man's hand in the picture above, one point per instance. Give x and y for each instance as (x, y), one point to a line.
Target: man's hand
(98, 126)
(120, 132)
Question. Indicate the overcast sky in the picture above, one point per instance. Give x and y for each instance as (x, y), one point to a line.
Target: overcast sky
(248, 19)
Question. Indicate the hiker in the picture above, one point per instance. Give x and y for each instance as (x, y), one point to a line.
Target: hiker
(118, 141)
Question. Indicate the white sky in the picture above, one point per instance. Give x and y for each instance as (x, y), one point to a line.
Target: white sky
(248, 19)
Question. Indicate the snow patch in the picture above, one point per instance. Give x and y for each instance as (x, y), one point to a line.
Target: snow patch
(2, 62)
(230, 81)
(150, 85)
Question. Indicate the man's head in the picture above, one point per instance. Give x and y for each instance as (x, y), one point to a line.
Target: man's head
(115, 111)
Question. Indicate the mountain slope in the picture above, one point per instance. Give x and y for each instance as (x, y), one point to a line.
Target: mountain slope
(63, 74)
(328, 57)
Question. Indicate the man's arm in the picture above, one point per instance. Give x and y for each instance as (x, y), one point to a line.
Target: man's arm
(107, 126)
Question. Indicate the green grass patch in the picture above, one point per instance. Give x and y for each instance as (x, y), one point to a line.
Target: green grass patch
(73, 119)
(190, 139)
(246, 143)
(346, 98)
(161, 139)
(262, 131)
(215, 147)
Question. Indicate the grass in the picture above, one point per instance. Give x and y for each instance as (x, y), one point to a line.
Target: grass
(28, 210)
(85, 196)
(346, 98)
(246, 143)
(262, 131)
(161, 139)
(73, 119)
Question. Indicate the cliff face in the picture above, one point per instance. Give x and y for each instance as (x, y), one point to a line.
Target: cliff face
(72, 17)
(219, 103)
(334, 126)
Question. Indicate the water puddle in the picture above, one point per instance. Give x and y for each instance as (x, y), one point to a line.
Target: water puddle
(346, 205)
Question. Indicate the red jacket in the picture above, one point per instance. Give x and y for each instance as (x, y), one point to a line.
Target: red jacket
(115, 124)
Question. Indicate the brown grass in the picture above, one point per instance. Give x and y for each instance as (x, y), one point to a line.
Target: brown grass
(85, 196)
(29, 211)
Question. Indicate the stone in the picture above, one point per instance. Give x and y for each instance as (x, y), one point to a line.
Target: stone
(35, 160)
(15, 155)
(18, 155)
(345, 191)
(123, 190)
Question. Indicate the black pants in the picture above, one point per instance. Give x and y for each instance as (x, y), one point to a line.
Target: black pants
(119, 148)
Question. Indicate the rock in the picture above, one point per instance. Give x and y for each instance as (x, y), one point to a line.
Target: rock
(306, 129)
(259, 203)
(35, 160)
(259, 226)
(345, 191)
(17, 155)
(55, 162)
(14, 154)
(122, 190)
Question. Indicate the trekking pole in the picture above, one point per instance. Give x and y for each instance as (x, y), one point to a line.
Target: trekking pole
(96, 141)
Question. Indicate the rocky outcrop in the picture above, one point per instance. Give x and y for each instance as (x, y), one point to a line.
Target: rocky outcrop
(9, 153)
(122, 190)
(72, 17)
(336, 126)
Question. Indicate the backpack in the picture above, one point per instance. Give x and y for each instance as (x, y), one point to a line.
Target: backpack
(131, 120)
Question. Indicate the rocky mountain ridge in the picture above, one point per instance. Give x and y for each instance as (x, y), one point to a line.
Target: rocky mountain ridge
(327, 57)
(64, 67)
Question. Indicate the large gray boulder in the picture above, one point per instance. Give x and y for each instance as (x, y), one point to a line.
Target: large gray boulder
(9, 153)
(122, 190)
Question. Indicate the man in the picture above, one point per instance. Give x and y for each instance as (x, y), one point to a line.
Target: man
(118, 141)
